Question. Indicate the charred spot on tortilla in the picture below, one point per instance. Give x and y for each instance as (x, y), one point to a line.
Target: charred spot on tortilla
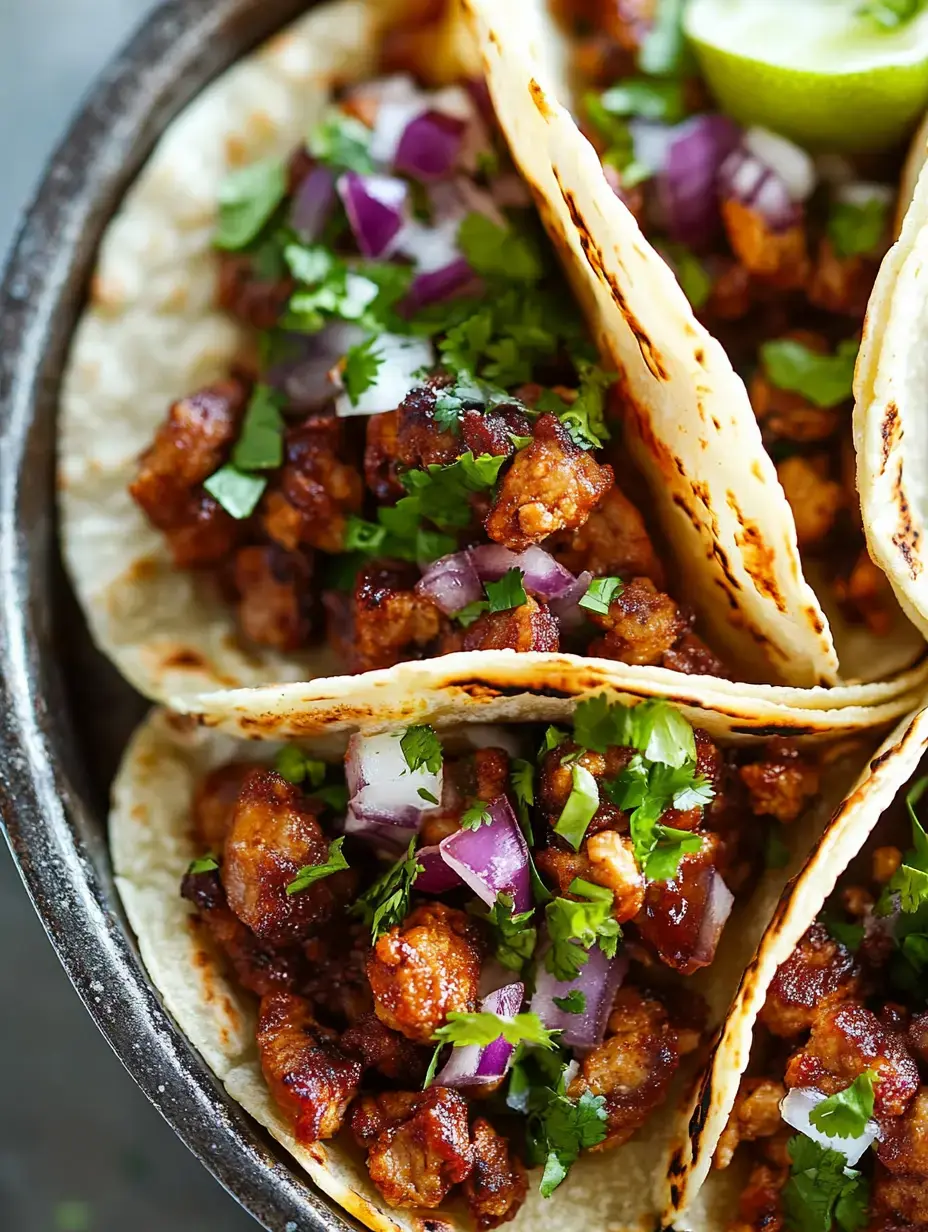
(908, 536)
(771, 731)
(186, 659)
(716, 424)
(890, 432)
(542, 106)
(700, 357)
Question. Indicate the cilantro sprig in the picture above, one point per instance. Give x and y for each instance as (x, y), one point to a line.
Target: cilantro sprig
(846, 1113)
(576, 925)
(293, 765)
(484, 1027)
(422, 748)
(311, 873)
(476, 815)
(385, 904)
(825, 380)
(822, 1191)
(600, 593)
(248, 198)
(512, 932)
(858, 229)
(203, 864)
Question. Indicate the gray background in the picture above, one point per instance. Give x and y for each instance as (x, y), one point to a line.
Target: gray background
(81, 1150)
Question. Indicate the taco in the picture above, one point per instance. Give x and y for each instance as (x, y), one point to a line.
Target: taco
(452, 970)
(775, 240)
(811, 1110)
(332, 406)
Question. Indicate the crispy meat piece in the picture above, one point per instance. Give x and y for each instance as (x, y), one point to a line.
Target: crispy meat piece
(633, 1066)
(276, 596)
(251, 299)
(530, 626)
(898, 1202)
(867, 594)
(381, 457)
(847, 1040)
(497, 1186)
(337, 980)
(781, 782)
(258, 966)
(391, 621)
(612, 542)
(551, 485)
(759, 1207)
(493, 432)
(917, 1037)
(903, 1146)
(789, 416)
(815, 499)
(692, 657)
(386, 1051)
(203, 533)
(731, 296)
(417, 1142)
(779, 257)
(756, 1114)
(214, 804)
(612, 864)
(420, 442)
(274, 834)
(310, 1077)
(491, 770)
(423, 969)
(841, 284)
(642, 624)
(674, 914)
(819, 973)
(316, 490)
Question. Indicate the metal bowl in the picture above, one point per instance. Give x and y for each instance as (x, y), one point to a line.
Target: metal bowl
(64, 715)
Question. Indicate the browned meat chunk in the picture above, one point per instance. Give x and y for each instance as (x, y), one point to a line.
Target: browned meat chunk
(779, 257)
(528, 627)
(497, 1186)
(785, 415)
(391, 621)
(730, 298)
(634, 1065)
(781, 783)
(898, 1202)
(555, 783)
(605, 858)
(903, 1146)
(692, 657)
(274, 834)
(317, 489)
(425, 968)
(642, 624)
(275, 596)
(386, 1051)
(381, 457)
(841, 284)
(818, 974)
(337, 980)
(674, 918)
(551, 485)
(203, 533)
(310, 1077)
(815, 499)
(214, 804)
(613, 542)
(493, 432)
(846, 1041)
(759, 1207)
(417, 1142)
(491, 770)
(251, 299)
(420, 441)
(756, 1114)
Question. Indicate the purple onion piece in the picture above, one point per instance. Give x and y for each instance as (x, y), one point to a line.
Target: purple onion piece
(390, 839)
(451, 583)
(492, 859)
(717, 909)
(430, 146)
(688, 183)
(543, 575)
(313, 203)
(598, 979)
(476, 1066)
(456, 278)
(744, 178)
(436, 877)
(375, 206)
(566, 607)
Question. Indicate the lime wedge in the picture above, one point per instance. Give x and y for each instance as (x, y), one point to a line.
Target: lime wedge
(818, 71)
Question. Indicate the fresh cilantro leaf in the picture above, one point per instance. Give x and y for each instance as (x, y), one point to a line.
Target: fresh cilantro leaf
(386, 902)
(665, 854)
(776, 852)
(485, 1027)
(909, 883)
(846, 934)
(600, 593)
(559, 1130)
(574, 926)
(659, 731)
(247, 200)
(650, 99)
(310, 263)
(845, 1114)
(580, 807)
(507, 593)
(433, 1067)
(342, 142)
(585, 418)
(825, 380)
(464, 346)
(520, 442)
(555, 1171)
(237, 491)
(513, 934)
(890, 14)
(363, 536)
(203, 864)
(663, 51)
(453, 399)
(427, 795)
(522, 774)
(573, 1002)
(362, 364)
(821, 1186)
(507, 363)
(421, 747)
(480, 472)
(260, 445)
(498, 251)
(616, 135)
(856, 230)
(315, 872)
(442, 492)
(333, 796)
(293, 765)
(466, 615)
(554, 737)
(648, 789)
(477, 815)
(392, 282)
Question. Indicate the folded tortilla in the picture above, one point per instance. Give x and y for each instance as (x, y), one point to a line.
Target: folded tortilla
(152, 846)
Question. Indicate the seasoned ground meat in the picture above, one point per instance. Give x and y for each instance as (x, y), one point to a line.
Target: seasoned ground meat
(613, 865)
(420, 442)
(903, 1145)
(202, 534)
(612, 542)
(316, 489)
(845, 1042)
(674, 918)
(381, 457)
(634, 1065)
(756, 1114)
(310, 1077)
(391, 621)
(491, 773)
(555, 782)
(274, 834)
(759, 1207)
(276, 596)
(785, 415)
(492, 431)
(497, 1186)
(214, 804)
(531, 626)
(424, 968)
(551, 485)
(779, 257)
(691, 656)
(898, 1202)
(337, 980)
(815, 498)
(642, 624)
(781, 783)
(248, 297)
(417, 1142)
(841, 284)
(819, 973)
(388, 1052)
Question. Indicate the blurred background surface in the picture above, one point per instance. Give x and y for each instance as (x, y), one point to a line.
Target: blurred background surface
(81, 1150)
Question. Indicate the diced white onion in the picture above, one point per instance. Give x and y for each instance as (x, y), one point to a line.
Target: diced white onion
(429, 248)
(402, 360)
(791, 163)
(381, 785)
(795, 1109)
(863, 192)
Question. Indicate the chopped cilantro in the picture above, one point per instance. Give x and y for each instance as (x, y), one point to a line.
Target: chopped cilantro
(520, 442)
(822, 1191)
(343, 294)
(362, 364)
(260, 445)
(845, 1114)
(615, 133)
(293, 765)
(386, 902)
(573, 1002)
(363, 536)
(580, 807)
(909, 883)
(442, 492)
(507, 593)
(476, 815)
(470, 612)
(203, 864)
(342, 142)
(334, 862)
(825, 380)
(423, 794)
(890, 14)
(485, 1027)
(237, 491)
(648, 789)
(421, 747)
(584, 418)
(513, 934)
(247, 200)
(433, 1067)
(559, 1129)
(655, 728)
(310, 263)
(522, 774)
(493, 250)
(575, 926)
(333, 796)
(650, 99)
(600, 593)
(856, 230)
(846, 934)
(553, 738)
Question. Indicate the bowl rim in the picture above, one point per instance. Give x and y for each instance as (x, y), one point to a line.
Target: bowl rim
(54, 831)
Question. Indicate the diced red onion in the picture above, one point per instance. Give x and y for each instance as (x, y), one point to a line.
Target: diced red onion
(451, 583)
(313, 203)
(436, 877)
(381, 787)
(719, 901)
(432, 286)
(543, 575)
(430, 146)
(402, 361)
(387, 839)
(687, 185)
(795, 1109)
(566, 607)
(598, 979)
(473, 1065)
(745, 179)
(398, 100)
(492, 859)
(305, 375)
(375, 205)
(788, 162)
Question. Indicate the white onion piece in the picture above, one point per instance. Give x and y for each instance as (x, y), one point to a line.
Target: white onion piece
(652, 142)
(451, 583)
(544, 576)
(795, 1109)
(566, 607)
(381, 786)
(790, 162)
(386, 839)
(862, 192)
(473, 1065)
(429, 248)
(402, 360)
(719, 902)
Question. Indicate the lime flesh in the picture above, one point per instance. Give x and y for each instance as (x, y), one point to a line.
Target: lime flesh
(812, 70)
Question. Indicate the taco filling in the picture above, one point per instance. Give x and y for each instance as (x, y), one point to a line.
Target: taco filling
(414, 454)
(833, 1112)
(777, 249)
(506, 992)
